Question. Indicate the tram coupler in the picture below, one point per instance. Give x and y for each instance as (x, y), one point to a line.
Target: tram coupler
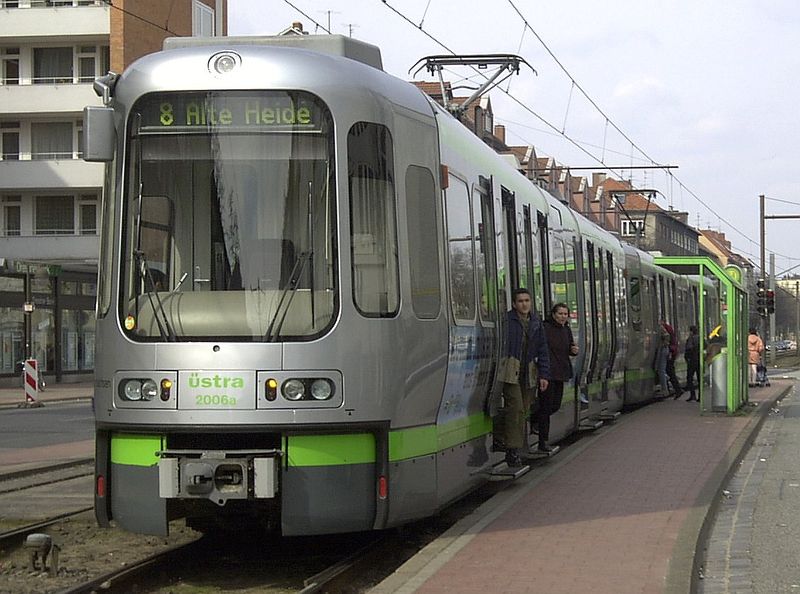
(218, 475)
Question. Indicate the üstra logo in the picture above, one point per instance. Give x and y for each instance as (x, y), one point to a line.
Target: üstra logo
(215, 381)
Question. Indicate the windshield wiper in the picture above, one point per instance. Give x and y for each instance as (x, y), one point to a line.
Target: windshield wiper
(164, 329)
(289, 290)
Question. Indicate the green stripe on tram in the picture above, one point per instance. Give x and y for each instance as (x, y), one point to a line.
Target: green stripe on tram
(359, 448)
(413, 442)
(331, 450)
(135, 450)
(462, 430)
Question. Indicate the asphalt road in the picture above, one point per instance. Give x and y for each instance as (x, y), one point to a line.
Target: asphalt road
(53, 424)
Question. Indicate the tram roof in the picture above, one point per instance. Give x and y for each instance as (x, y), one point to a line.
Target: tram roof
(333, 45)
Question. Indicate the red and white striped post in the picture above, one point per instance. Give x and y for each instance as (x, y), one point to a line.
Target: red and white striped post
(31, 381)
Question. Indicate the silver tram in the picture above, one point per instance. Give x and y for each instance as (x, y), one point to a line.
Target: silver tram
(304, 263)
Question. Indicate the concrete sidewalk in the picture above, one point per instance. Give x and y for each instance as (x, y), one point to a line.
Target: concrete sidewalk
(623, 510)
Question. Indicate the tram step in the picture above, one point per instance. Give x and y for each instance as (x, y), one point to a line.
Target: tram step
(502, 472)
(535, 454)
(610, 417)
(590, 424)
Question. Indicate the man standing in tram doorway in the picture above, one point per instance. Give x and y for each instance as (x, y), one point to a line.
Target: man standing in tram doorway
(524, 368)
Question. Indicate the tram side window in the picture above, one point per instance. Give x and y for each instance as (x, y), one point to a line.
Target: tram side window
(485, 258)
(106, 241)
(460, 252)
(619, 286)
(423, 242)
(572, 284)
(558, 271)
(635, 296)
(373, 229)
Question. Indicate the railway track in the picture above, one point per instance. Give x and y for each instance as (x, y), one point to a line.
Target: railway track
(161, 570)
(45, 475)
(13, 538)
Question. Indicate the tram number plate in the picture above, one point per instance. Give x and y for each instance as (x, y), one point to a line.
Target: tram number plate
(204, 390)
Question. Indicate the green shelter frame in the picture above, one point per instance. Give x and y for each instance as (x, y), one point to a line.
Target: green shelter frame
(729, 367)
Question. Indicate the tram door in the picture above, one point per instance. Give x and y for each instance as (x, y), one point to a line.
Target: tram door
(591, 313)
(544, 246)
(487, 278)
(512, 276)
(611, 293)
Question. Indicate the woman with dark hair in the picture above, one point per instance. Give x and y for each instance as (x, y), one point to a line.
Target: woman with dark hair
(561, 347)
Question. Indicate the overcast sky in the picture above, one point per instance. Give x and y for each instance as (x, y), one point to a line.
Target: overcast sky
(708, 86)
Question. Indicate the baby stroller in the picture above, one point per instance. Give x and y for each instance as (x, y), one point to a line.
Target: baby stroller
(761, 376)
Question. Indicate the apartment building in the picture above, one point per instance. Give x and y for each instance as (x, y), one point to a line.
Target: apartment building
(50, 53)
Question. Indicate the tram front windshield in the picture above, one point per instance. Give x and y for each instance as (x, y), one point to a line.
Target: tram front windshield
(229, 222)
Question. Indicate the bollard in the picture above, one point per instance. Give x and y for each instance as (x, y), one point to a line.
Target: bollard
(39, 545)
(31, 380)
(31, 384)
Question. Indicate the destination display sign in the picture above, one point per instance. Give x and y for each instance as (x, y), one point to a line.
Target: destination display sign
(274, 111)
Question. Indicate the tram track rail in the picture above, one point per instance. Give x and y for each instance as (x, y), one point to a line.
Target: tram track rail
(14, 537)
(45, 475)
(124, 578)
(339, 569)
(143, 575)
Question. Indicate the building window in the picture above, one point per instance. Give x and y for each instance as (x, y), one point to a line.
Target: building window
(9, 75)
(55, 215)
(79, 138)
(86, 67)
(12, 215)
(51, 140)
(88, 215)
(632, 228)
(52, 65)
(202, 20)
(9, 141)
(92, 61)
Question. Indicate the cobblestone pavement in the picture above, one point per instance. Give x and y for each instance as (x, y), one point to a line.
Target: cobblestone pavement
(754, 542)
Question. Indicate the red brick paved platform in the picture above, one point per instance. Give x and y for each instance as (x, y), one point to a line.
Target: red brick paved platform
(619, 511)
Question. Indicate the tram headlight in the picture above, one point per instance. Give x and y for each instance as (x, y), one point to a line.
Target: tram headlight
(321, 389)
(132, 389)
(149, 390)
(293, 389)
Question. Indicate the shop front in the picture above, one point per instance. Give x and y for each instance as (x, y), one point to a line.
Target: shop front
(47, 313)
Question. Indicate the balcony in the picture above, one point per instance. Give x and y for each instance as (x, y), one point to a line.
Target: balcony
(25, 20)
(20, 100)
(51, 248)
(44, 175)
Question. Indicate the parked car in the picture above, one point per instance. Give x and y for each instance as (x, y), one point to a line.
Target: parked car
(780, 345)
